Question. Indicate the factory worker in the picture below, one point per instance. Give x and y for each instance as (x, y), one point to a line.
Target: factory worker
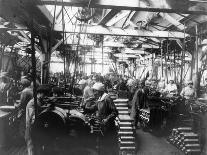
(4, 87)
(88, 92)
(26, 94)
(57, 92)
(106, 112)
(104, 107)
(139, 101)
(42, 92)
(171, 88)
(161, 85)
(188, 92)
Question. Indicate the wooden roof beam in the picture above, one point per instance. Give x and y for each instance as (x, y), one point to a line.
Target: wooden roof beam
(118, 18)
(172, 21)
(124, 5)
(108, 16)
(101, 30)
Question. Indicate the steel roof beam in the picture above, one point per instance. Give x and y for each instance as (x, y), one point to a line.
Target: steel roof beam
(103, 30)
(122, 5)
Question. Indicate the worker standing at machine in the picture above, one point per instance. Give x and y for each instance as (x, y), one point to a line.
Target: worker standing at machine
(87, 92)
(42, 92)
(188, 92)
(106, 111)
(139, 101)
(26, 94)
(171, 88)
(105, 108)
(4, 87)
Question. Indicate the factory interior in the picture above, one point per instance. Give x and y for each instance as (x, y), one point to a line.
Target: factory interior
(103, 77)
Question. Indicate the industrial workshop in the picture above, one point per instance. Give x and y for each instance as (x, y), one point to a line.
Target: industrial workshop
(103, 77)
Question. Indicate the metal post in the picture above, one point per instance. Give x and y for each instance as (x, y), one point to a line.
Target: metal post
(102, 56)
(196, 48)
(182, 60)
(161, 45)
(34, 69)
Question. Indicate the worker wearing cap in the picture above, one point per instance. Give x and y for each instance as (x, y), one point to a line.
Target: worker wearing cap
(106, 111)
(171, 88)
(188, 92)
(104, 107)
(42, 92)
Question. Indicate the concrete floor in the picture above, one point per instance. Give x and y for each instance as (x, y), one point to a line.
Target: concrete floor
(148, 144)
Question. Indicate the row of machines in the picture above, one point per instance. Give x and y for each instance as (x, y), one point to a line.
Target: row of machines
(181, 119)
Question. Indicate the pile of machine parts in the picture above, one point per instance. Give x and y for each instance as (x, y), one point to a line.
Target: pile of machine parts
(187, 137)
(186, 140)
(126, 132)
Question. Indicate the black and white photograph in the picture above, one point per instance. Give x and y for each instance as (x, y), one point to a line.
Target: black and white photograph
(103, 77)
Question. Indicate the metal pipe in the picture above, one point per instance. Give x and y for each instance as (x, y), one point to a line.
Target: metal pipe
(63, 24)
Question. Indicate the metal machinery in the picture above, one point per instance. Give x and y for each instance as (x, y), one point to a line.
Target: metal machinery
(160, 112)
(183, 118)
(63, 128)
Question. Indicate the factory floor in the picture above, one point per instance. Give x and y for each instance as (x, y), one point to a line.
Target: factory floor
(149, 144)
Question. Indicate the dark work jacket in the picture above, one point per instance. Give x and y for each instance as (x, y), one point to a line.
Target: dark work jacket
(105, 109)
(139, 101)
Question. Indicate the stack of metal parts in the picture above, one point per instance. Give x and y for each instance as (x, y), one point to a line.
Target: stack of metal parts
(145, 115)
(126, 132)
(186, 140)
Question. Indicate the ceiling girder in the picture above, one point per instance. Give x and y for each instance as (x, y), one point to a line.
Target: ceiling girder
(124, 5)
(114, 31)
(108, 16)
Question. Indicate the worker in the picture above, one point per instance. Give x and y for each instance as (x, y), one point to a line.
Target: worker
(106, 111)
(42, 92)
(161, 85)
(4, 87)
(57, 92)
(78, 89)
(139, 101)
(26, 94)
(104, 107)
(188, 92)
(87, 92)
(171, 88)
